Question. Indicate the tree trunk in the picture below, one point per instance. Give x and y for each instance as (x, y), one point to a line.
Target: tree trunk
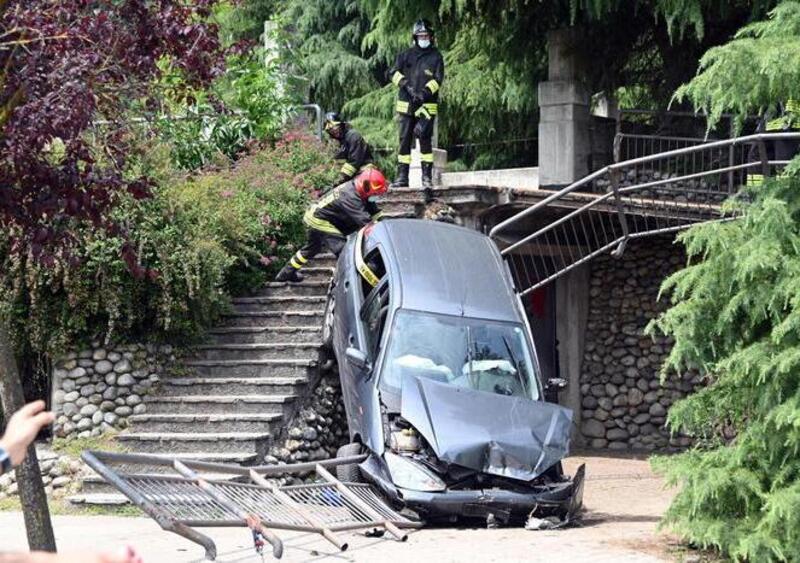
(29, 478)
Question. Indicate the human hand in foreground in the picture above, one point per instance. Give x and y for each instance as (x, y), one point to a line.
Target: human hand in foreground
(22, 428)
(125, 555)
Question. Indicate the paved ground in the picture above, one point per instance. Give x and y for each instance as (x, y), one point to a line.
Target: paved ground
(623, 498)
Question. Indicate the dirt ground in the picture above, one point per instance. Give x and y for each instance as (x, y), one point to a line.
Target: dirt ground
(623, 499)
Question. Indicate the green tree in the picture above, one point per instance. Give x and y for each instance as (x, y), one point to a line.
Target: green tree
(735, 316)
(495, 53)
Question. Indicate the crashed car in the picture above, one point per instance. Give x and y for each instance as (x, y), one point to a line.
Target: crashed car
(440, 378)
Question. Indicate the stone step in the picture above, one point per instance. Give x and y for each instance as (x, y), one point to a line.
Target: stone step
(279, 303)
(265, 335)
(100, 499)
(190, 442)
(271, 351)
(314, 273)
(95, 485)
(285, 288)
(252, 368)
(204, 422)
(406, 214)
(275, 318)
(400, 206)
(220, 404)
(231, 385)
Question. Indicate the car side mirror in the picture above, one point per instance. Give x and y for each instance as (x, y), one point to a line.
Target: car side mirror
(357, 358)
(556, 383)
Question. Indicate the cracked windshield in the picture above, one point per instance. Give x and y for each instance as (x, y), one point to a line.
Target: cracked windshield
(471, 353)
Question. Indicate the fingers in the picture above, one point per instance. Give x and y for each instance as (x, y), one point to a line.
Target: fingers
(30, 409)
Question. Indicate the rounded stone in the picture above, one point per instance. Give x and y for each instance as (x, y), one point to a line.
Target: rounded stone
(110, 394)
(618, 446)
(77, 373)
(599, 443)
(68, 385)
(103, 367)
(99, 354)
(593, 429)
(125, 380)
(87, 390)
(657, 409)
(133, 400)
(641, 418)
(635, 397)
(139, 409)
(84, 424)
(70, 409)
(96, 399)
(107, 406)
(110, 418)
(97, 418)
(123, 411)
(89, 410)
(611, 389)
(621, 401)
(589, 402)
(123, 366)
(114, 357)
(617, 434)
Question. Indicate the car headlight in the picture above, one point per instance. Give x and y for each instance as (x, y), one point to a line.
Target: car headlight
(407, 474)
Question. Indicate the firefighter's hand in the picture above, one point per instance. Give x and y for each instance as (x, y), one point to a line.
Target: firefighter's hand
(22, 428)
(416, 97)
(126, 555)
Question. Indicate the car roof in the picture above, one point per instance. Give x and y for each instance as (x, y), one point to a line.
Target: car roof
(446, 269)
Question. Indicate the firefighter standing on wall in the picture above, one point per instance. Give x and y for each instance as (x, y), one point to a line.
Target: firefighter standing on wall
(342, 211)
(418, 73)
(353, 149)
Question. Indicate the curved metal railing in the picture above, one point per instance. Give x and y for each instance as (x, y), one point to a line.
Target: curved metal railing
(646, 196)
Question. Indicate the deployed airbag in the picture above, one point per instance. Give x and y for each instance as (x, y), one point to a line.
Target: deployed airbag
(496, 434)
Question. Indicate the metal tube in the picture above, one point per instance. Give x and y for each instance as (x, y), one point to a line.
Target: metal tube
(352, 497)
(318, 111)
(306, 515)
(250, 519)
(161, 517)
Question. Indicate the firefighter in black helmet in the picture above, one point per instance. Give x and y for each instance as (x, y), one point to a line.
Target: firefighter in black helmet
(353, 149)
(418, 73)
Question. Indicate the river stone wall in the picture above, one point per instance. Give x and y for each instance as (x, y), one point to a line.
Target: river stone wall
(98, 388)
(316, 432)
(624, 403)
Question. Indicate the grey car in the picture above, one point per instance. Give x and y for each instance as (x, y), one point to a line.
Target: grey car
(440, 378)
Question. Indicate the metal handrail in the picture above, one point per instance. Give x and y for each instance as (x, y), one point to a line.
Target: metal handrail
(637, 161)
(645, 196)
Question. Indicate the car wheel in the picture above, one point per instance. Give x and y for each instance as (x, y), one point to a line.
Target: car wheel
(348, 473)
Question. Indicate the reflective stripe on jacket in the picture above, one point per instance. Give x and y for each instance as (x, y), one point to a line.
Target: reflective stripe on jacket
(341, 211)
(423, 71)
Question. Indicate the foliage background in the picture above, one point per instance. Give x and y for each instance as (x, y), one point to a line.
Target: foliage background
(199, 238)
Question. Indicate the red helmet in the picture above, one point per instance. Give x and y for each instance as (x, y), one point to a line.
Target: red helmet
(370, 182)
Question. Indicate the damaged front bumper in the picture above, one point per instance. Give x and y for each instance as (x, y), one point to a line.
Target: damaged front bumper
(563, 500)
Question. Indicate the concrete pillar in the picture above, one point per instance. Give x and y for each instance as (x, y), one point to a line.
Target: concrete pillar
(572, 311)
(564, 121)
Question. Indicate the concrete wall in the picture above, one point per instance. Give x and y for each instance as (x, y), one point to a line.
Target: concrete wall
(513, 178)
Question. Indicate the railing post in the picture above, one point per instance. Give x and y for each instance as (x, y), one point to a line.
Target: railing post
(615, 174)
(731, 188)
(762, 154)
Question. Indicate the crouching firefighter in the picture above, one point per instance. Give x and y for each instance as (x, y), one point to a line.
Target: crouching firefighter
(340, 212)
(418, 73)
(353, 149)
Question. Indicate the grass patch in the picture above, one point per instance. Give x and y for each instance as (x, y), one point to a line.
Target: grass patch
(62, 507)
(74, 447)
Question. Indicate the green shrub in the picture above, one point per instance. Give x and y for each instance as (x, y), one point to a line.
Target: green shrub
(736, 315)
(198, 240)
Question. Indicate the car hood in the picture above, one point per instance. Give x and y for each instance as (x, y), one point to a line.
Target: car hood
(496, 434)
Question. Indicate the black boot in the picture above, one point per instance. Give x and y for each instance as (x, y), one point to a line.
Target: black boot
(289, 274)
(427, 181)
(402, 177)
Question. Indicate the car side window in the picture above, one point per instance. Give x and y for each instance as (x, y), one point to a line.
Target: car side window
(374, 313)
(371, 271)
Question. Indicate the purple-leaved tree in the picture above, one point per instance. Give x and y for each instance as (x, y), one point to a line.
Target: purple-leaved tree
(65, 64)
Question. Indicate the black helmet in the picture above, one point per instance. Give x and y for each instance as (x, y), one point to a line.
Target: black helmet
(333, 123)
(421, 26)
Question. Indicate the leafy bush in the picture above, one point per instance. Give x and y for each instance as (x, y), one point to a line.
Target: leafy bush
(197, 241)
(736, 316)
(245, 103)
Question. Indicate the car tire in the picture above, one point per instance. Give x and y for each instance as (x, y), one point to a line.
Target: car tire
(349, 473)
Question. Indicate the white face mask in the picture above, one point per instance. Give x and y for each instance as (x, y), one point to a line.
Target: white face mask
(372, 198)
(424, 43)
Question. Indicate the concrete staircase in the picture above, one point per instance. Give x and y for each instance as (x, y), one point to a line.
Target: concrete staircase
(247, 380)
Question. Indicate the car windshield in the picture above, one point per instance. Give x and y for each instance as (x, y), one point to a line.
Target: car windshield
(473, 353)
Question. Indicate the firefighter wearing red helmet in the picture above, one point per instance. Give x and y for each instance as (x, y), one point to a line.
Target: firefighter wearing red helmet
(340, 212)
(418, 73)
